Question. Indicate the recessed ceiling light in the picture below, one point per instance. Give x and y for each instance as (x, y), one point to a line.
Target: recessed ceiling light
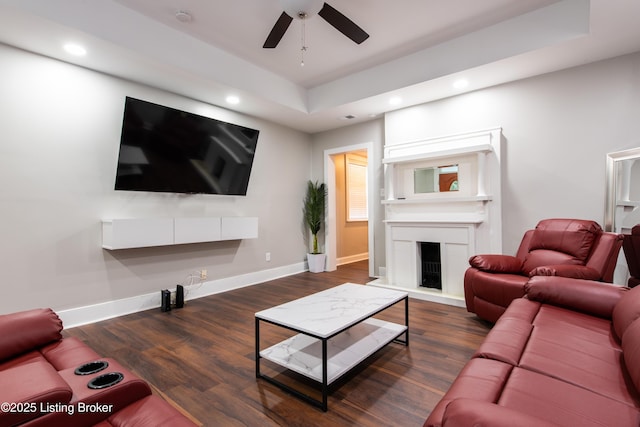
(232, 99)
(75, 49)
(461, 83)
(395, 100)
(184, 16)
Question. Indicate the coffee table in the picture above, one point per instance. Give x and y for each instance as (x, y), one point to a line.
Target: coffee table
(336, 331)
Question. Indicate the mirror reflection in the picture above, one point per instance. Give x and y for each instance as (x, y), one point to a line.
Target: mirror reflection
(435, 179)
(622, 205)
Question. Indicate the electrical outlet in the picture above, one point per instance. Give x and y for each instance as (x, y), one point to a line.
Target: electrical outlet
(203, 274)
(267, 256)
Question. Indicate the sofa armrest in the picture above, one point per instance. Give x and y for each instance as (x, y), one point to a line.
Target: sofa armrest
(595, 298)
(496, 263)
(506, 341)
(469, 412)
(28, 330)
(566, 270)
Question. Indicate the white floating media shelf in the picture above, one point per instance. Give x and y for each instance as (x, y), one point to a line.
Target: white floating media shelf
(147, 232)
(234, 228)
(196, 230)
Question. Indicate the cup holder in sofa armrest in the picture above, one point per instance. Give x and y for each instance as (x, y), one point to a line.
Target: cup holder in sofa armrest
(91, 367)
(105, 380)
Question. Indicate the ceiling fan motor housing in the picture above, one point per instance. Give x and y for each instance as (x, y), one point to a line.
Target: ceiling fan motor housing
(302, 8)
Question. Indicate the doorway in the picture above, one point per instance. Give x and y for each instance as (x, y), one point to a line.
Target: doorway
(334, 225)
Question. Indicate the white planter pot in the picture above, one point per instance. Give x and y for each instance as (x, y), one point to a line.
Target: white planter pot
(316, 262)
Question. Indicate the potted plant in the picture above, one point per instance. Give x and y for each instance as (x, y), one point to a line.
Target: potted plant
(313, 212)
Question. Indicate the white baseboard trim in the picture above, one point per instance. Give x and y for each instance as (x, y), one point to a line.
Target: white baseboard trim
(352, 258)
(423, 294)
(107, 310)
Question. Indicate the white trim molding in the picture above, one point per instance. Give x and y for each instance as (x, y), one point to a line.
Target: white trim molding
(107, 310)
(352, 258)
(463, 223)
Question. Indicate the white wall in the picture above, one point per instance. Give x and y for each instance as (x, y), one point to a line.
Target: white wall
(59, 136)
(557, 130)
(59, 139)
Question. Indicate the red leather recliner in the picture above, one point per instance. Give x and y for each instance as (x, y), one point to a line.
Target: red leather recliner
(631, 246)
(48, 380)
(573, 248)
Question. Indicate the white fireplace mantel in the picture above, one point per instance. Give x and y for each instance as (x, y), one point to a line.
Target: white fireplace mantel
(463, 222)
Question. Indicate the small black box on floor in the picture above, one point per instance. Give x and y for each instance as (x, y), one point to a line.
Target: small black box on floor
(165, 300)
(179, 296)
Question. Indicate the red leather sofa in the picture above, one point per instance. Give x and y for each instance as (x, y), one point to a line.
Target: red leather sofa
(631, 246)
(48, 380)
(556, 247)
(566, 355)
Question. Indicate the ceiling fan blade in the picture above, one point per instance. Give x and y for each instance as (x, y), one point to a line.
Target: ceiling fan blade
(277, 32)
(343, 24)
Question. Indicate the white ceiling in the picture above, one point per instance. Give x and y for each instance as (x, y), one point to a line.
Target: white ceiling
(416, 48)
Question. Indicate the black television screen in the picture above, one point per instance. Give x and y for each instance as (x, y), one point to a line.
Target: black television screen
(167, 150)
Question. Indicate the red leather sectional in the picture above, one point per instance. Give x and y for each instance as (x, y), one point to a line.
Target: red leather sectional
(568, 354)
(39, 385)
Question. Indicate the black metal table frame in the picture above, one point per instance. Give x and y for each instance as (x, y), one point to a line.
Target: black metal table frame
(322, 404)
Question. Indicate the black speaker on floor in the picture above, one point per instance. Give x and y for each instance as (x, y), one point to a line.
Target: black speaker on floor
(179, 296)
(165, 300)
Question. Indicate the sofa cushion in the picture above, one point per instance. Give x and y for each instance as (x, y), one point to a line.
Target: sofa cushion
(543, 257)
(34, 384)
(563, 403)
(560, 242)
(626, 311)
(28, 330)
(576, 324)
(30, 357)
(570, 236)
(631, 351)
(584, 363)
(68, 353)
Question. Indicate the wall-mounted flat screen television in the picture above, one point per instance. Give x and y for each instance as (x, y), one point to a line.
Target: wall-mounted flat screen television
(167, 150)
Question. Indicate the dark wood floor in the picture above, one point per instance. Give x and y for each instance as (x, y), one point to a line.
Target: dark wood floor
(201, 358)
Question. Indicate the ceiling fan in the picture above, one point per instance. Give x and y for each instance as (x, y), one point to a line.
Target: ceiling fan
(303, 9)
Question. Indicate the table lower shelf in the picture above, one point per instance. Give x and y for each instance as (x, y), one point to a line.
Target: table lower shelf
(303, 354)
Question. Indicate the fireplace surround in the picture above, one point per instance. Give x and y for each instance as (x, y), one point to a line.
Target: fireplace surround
(462, 218)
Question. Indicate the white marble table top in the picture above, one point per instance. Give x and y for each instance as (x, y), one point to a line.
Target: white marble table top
(325, 313)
